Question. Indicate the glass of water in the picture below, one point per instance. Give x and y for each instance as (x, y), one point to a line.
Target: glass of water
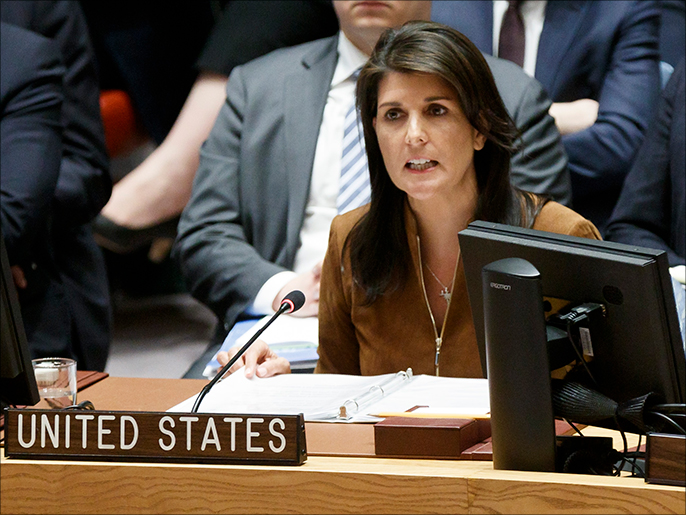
(56, 379)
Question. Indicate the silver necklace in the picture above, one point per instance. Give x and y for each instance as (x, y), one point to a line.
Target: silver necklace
(445, 292)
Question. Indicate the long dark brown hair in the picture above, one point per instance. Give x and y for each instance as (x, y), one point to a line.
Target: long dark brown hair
(380, 257)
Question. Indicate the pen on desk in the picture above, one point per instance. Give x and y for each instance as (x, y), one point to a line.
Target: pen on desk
(411, 414)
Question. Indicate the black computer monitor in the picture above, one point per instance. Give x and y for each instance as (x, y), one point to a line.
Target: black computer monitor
(17, 380)
(637, 346)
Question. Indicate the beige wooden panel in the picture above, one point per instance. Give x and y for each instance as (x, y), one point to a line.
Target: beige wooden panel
(103, 488)
(322, 485)
(517, 496)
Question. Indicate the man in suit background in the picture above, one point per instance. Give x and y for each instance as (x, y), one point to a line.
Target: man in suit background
(83, 185)
(651, 210)
(265, 193)
(31, 98)
(147, 202)
(598, 62)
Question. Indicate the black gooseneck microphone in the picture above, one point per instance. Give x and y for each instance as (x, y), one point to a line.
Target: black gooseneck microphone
(290, 303)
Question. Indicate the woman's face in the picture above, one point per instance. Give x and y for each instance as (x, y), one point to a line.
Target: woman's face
(426, 141)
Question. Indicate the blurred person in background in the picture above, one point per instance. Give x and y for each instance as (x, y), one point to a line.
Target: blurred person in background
(78, 324)
(599, 63)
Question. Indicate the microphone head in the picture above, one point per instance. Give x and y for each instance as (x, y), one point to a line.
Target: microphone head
(295, 300)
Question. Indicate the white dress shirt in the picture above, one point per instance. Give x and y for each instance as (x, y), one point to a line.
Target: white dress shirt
(533, 15)
(326, 171)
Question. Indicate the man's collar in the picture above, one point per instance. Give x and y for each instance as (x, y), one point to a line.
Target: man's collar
(350, 58)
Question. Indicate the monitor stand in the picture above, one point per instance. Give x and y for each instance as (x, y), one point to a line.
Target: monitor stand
(522, 421)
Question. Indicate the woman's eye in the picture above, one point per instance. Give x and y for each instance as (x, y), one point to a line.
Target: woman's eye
(437, 110)
(392, 115)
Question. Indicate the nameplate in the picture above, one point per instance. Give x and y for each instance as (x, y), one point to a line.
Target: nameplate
(155, 436)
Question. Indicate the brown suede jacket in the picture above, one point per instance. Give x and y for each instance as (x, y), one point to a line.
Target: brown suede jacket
(396, 332)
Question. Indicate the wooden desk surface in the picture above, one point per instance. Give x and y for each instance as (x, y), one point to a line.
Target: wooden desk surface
(323, 484)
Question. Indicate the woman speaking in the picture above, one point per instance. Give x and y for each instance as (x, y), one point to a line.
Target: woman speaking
(438, 140)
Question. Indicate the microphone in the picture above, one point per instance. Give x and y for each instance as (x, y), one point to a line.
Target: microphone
(290, 303)
(294, 300)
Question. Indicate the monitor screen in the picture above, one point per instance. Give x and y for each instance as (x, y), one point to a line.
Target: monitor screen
(636, 345)
(17, 380)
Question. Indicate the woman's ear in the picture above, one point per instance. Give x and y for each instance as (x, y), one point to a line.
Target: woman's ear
(374, 122)
(479, 140)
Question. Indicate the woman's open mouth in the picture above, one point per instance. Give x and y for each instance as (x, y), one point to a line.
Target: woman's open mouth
(420, 164)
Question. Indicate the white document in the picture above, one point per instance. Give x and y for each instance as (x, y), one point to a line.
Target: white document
(285, 329)
(321, 396)
(439, 396)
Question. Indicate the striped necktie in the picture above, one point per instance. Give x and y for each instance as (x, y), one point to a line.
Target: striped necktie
(354, 189)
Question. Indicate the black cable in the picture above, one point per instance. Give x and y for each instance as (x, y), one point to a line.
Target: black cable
(634, 465)
(625, 454)
(668, 419)
(88, 405)
(626, 446)
(636, 470)
(641, 473)
(573, 427)
(670, 407)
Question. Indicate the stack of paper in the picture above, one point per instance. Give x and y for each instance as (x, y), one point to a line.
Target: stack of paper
(321, 396)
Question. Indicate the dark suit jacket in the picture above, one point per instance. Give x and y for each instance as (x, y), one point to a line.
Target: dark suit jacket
(652, 207)
(672, 31)
(242, 224)
(30, 155)
(84, 184)
(604, 50)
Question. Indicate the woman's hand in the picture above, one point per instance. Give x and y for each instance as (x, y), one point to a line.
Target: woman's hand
(259, 359)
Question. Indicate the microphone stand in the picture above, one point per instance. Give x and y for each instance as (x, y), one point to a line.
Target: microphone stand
(285, 306)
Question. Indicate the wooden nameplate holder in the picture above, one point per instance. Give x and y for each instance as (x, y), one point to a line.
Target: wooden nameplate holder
(432, 438)
(666, 459)
(439, 438)
(155, 436)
